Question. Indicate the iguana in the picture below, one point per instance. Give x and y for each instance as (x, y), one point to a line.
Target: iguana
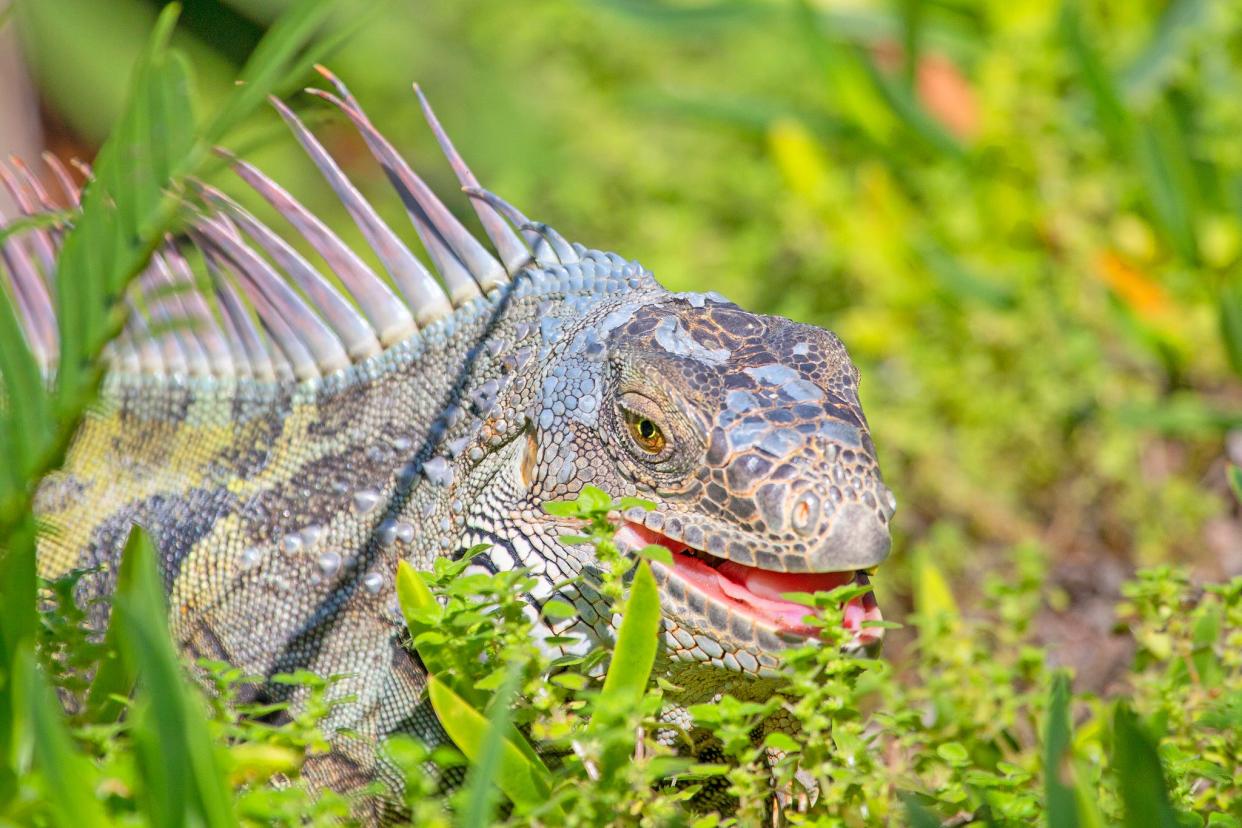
(306, 433)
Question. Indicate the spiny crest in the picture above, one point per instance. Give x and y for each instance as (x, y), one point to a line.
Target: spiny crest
(271, 314)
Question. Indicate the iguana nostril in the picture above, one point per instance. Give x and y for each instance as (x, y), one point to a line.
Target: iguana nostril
(805, 515)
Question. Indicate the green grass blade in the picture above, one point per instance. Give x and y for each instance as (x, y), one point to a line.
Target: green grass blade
(904, 104)
(481, 783)
(70, 778)
(1058, 791)
(1140, 776)
(23, 412)
(911, 39)
(113, 677)
(1162, 157)
(1207, 632)
(287, 53)
(269, 63)
(118, 227)
(1170, 48)
(524, 781)
(629, 672)
(126, 212)
(854, 96)
(21, 224)
(1231, 322)
(18, 623)
(183, 781)
(1100, 83)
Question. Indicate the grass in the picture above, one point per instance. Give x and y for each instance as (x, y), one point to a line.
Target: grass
(1024, 219)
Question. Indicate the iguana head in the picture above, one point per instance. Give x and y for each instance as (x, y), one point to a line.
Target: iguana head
(746, 432)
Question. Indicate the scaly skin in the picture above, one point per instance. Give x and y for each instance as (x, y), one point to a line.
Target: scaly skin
(280, 508)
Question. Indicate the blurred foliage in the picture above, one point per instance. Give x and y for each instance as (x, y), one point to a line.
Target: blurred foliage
(1024, 219)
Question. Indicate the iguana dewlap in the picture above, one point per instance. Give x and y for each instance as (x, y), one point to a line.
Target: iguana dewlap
(305, 434)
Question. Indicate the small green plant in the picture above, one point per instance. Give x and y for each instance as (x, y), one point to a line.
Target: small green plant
(982, 731)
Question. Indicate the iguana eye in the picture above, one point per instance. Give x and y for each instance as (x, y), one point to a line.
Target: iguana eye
(642, 418)
(645, 432)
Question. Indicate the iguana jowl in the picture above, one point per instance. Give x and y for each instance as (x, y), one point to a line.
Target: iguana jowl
(283, 468)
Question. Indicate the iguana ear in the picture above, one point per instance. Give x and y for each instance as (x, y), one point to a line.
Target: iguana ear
(530, 456)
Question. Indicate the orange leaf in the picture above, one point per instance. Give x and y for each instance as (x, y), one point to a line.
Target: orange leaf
(1136, 289)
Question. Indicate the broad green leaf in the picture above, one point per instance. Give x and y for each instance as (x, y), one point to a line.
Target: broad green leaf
(524, 780)
(1235, 481)
(561, 508)
(1058, 758)
(932, 595)
(916, 815)
(954, 753)
(593, 499)
(556, 608)
(1140, 776)
(656, 552)
(635, 503)
(782, 741)
(415, 598)
(1208, 670)
(637, 642)
(423, 615)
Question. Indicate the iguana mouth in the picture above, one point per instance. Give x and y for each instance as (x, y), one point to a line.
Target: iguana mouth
(757, 593)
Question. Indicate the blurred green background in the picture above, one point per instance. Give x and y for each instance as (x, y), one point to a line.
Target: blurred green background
(1023, 217)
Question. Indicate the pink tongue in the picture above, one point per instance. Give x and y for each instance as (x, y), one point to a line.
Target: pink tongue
(762, 590)
(759, 589)
(773, 585)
